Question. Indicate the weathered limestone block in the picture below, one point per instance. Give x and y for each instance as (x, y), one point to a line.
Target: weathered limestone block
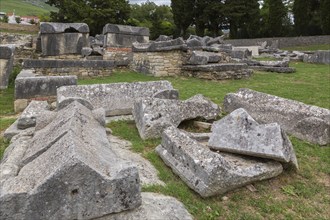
(115, 98)
(86, 51)
(6, 64)
(202, 58)
(320, 56)
(124, 35)
(274, 69)
(307, 122)
(153, 115)
(154, 206)
(40, 86)
(69, 171)
(210, 173)
(239, 133)
(157, 46)
(29, 115)
(164, 38)
(219, 71)
(63, 38)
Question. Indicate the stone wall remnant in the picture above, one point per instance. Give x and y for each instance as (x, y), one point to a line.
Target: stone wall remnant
(6, 64)
(307, 122)
(320, 56)
(63, 38)
(239, 133)
(76, 175)
(115, 98)
(124, 35)
(211, 173)
(153, 116)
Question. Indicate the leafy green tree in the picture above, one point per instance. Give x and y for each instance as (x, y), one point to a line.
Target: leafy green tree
(277, 18)
(4, 19)
(325, 16)
(159, 19)
(96, 13)
(183, 15)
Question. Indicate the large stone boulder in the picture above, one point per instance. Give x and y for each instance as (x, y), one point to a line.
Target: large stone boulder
(117, 98)
(153, 115)
(6, 64)
(307, 122)
(207, 172)
(68, 171)
(239, 133)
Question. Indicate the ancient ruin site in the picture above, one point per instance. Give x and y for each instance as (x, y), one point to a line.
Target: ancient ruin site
(118, 126)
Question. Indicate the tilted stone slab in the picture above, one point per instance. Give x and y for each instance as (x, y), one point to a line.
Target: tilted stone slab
(154, 206)
(6, 64)
(77, 176)
(210, 173)
(239, 133)
(274, 69)
(115, 98)
(29, 115)
(41, 86)
(153, 115)
(307, 122)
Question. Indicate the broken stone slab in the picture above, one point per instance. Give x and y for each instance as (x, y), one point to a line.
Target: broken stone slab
(13, 130)
(86, 51)
(174, 44)
(306, 122)
(279, 63)
(41, 86)
(164, 38)
(6, 64)
(241, 54)
(211, 173)
(216, 40)
(147, 172)
(115, 98)
(154, 206)
(29, 115)
(153, 115)
(274, 69)
(74, 176)
(239, 133)
(194, 43)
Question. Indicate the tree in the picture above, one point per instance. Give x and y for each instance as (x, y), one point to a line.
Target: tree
(183, 14)
(307, 17)
(325, 16)
(159, 19)
(276, 18)
(95, 13)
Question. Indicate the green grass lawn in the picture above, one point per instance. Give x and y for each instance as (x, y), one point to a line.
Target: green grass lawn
(302, 195)
(25, 8)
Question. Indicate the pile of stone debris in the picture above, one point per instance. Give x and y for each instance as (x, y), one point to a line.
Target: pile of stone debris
(65, 164)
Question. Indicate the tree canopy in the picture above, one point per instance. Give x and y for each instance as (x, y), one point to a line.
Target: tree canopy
(95, 13)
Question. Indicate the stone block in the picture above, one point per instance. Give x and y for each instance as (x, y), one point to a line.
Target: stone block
(153, 116)
(307, 122)
(6, 64)
(320, 56)
(115, 98)
(29, 115)
(41, 86)
(69, 171)
(55, 28)
(20, 105)
(86, 51)
(207, 172)
(154, 206)
(239, 133)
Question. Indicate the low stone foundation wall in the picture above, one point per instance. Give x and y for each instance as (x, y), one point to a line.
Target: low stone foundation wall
(80, 68)
(163, 63)
(123, 56)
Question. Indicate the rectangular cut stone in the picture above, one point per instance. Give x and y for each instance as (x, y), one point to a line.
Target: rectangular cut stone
(207, 172)
(41, 86)
(63, 38)
(307, 122)
(6, 64)
(74, 176)
(115, 98)
(124, 35)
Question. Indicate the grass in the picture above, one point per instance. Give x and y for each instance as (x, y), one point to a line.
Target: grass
(309, 47)
(25, 8)
(302, 195)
